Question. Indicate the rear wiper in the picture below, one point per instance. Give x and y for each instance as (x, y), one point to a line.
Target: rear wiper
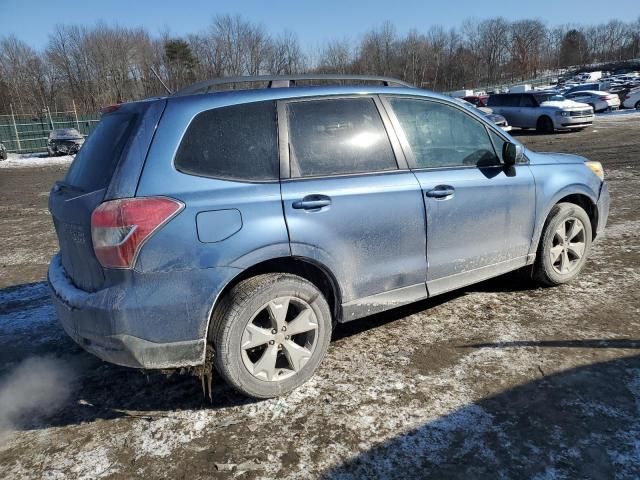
(60, 185)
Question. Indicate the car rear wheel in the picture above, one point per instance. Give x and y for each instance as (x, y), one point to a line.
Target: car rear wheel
(564, 246)
(270, 333)
(638, 105)
(545, 125)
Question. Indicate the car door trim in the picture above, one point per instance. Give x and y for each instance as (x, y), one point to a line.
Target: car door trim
(384, 301)
(463, 279)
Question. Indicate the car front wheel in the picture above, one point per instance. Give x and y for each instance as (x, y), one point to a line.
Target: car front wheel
(545, 125)
(564, 245)
(270, 333)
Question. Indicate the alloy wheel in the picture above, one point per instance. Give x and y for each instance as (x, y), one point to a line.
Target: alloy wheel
(279, 339)
(568, 246)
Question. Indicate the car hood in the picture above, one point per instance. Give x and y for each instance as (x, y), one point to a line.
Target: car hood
(564, 104)
(547, 158)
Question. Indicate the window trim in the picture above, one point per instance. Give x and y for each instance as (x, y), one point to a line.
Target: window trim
(283, 137)
(221, 177)
(408, 151)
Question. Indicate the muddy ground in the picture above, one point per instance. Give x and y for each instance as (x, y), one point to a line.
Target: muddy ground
(500, 380)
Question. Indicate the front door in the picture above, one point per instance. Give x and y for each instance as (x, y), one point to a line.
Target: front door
(349, 205)
(480, 214)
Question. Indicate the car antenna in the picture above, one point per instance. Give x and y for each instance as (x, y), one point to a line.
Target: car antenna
(160, 80)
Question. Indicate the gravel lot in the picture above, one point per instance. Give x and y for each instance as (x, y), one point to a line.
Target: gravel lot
(500, 380)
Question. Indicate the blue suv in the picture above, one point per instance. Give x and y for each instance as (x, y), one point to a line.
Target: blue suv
(233, 229)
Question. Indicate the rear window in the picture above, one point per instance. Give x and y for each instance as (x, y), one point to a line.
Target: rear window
(237, 142)
(97, 159)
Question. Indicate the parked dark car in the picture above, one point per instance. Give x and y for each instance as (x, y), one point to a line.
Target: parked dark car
(64, 141)
(236, 228)
(3, 152)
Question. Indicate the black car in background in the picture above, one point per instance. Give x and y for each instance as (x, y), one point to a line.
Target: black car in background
(3, 152)
(64, 141)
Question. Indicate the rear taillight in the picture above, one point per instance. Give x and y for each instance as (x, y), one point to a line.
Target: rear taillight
(119, 228)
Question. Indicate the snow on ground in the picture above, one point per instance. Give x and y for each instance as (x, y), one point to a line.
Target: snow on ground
(22, 160)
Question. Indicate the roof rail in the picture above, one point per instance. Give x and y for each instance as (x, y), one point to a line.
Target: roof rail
(277, 81)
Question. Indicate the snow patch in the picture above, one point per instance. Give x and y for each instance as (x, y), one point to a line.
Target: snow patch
(16, 160)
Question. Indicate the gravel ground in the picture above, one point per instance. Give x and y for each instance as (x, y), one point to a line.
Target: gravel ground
(500, 380)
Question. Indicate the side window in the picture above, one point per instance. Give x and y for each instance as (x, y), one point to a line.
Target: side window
(238, 142)
(340, 136)
(443, 136)
(495, 101)
(527, 101)
(512, 100)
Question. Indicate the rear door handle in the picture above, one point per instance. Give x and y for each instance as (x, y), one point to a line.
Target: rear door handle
(441, 191)
(312, 202)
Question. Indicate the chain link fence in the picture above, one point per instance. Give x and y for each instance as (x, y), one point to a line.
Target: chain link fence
(29, 132)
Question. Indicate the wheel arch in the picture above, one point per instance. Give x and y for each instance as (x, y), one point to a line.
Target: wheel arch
(541, 118)
(311, 270)
(577, 197)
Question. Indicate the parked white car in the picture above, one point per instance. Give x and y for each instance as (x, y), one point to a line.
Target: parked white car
(632, 99)
(599, 101)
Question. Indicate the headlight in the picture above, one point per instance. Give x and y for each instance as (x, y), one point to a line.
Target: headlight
(596, 167)
(563, 113)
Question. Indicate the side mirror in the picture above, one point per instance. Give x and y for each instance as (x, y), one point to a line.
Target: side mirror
(512, 153)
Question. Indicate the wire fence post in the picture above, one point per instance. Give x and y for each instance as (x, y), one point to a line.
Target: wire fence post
(15, 127)
(75, 113)
(50, 118)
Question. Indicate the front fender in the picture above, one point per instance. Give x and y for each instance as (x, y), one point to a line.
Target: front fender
(545, 204)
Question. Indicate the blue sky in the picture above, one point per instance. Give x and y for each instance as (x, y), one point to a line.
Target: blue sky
(315, 22)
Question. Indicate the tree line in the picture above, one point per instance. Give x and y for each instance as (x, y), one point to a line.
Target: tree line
(103, 64)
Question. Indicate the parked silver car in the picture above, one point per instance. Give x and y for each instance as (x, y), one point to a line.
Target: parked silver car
(599, 101)
(544, 111)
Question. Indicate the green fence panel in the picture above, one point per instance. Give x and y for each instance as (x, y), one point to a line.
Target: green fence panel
(33, 130)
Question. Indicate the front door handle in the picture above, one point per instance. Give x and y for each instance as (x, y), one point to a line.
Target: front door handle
(441, 191)
(312, 202)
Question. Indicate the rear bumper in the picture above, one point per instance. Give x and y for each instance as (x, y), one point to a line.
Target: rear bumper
(151, 321)
(603, 208)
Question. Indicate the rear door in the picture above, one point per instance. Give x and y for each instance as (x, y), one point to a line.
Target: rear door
(480, 214)
(527, 115)
(350, 202)
(121, 137)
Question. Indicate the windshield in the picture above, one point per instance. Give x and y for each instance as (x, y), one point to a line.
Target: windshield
(549, 97)
(66, 133)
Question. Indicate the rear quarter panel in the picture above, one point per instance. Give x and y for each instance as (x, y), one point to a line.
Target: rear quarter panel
(177, 246)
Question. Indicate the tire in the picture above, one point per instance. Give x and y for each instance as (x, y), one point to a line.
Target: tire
(637, 105)
(551, 268)
(257, 301)
(50, 152)
(545, 125)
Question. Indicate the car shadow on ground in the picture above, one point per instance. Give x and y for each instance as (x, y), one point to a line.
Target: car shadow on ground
(104, 391)
(580, 423)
